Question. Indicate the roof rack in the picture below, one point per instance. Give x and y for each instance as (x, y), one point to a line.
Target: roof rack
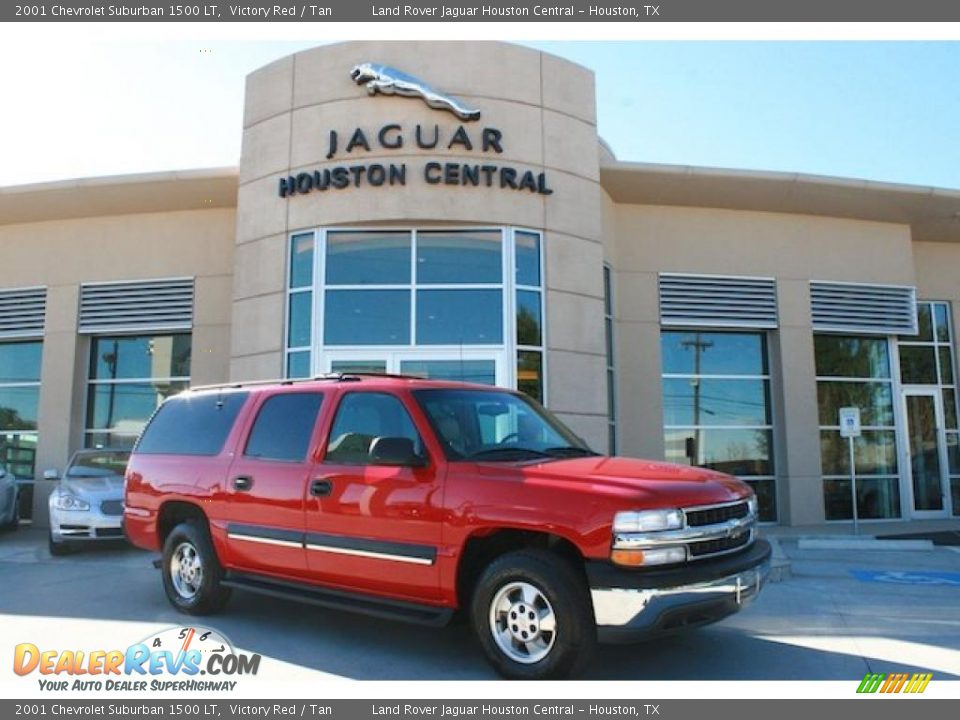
(333, 377)
(338, 377)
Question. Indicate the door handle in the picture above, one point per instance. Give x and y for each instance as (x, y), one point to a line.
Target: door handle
(321, 488)
(242, 483)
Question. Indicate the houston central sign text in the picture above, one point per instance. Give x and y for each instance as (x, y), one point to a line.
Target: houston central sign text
(351, 171)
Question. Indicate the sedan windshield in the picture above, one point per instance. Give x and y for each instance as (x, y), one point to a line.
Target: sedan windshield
(106, 463)
(494, 425)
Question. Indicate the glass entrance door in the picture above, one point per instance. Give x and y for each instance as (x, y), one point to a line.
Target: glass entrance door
(485, 367)
(926, 452)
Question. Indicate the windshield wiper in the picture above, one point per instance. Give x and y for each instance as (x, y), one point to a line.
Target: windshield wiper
(507, 453)
(570, 451)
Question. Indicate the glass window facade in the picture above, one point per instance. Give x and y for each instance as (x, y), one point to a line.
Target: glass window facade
(465, 304)
(19, 402)
(611, 365)
(856, 371)
(130, 375)
(716, 401)
(927, 358)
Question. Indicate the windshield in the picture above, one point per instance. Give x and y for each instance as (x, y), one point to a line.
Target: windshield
(99, 464)
(492, 425)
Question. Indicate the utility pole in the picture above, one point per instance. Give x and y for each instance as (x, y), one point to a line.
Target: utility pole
(699, 346)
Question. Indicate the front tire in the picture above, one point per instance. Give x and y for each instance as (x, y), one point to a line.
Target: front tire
(191, 571)
(533, 618)
(57, 549)
(14, 523)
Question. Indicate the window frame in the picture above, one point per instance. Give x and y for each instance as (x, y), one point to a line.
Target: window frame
(335, 413)
(893, 380)
(311, 437)
(507, 352)
(766, 379)
(90, 383)
(34, 434)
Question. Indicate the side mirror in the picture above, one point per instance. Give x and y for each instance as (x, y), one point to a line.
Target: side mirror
(51, 474)
(395, 451)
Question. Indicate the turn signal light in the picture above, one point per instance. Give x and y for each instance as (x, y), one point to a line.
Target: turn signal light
(646, 558)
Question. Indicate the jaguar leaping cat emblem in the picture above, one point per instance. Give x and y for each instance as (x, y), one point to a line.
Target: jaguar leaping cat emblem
(390, 81)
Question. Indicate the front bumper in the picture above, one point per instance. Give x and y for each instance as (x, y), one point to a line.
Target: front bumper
(636, 605)
(84, 525)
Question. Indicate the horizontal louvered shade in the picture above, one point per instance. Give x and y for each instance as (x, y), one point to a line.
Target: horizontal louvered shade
(717, 301)
(134, 306)
(863, 309)
(22, 312)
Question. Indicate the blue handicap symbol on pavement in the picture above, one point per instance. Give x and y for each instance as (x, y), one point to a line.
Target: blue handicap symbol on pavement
(908, 577)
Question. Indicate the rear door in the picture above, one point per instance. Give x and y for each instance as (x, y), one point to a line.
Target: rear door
(374, 527)
(267, 482)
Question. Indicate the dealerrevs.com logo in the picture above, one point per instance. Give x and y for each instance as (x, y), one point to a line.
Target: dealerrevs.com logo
(176, 659)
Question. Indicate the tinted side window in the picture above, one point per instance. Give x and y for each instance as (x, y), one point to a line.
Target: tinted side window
(363, 417)
(283, 427)
(192, 424)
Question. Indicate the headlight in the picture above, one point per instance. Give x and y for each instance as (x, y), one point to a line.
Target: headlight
(66, 501)
(752, 505)
(647, 521)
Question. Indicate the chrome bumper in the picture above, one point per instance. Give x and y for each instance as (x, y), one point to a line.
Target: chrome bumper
(626, 615)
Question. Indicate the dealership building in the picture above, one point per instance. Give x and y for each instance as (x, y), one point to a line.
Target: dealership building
(448, 210)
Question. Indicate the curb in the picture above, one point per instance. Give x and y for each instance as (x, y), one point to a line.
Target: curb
(863, 543)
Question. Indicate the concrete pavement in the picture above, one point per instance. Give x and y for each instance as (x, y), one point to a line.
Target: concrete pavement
(822, 622)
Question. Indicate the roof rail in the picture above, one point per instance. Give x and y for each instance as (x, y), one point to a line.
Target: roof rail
(368, 373)
(338, 377)
(333, 377)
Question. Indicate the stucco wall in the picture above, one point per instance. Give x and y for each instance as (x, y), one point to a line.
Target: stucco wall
(64, 253)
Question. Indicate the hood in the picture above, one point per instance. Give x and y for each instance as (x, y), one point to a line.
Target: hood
(106, 487)
(648, 483)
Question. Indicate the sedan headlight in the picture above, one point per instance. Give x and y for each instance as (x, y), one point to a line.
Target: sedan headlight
(647, 521)
(66, 501)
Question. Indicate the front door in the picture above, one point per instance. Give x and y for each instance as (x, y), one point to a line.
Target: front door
(925, 449)
(374, 527)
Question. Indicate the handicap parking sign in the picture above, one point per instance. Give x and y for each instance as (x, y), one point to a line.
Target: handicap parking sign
(908, 577)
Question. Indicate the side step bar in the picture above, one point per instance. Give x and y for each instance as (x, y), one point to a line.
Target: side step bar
(341, 600)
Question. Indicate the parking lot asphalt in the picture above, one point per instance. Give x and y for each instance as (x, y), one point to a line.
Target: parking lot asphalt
(839, 615)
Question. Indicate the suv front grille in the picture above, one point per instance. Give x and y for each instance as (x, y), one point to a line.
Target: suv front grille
(714, 515)
(713, 547)
(707, 531)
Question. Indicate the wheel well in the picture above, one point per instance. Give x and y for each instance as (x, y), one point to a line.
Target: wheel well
(481, 550)
(175, 512)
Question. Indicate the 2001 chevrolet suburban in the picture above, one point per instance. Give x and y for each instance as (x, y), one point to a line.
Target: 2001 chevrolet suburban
(412, 499)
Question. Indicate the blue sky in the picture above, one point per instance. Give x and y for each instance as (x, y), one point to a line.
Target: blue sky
(885, 111)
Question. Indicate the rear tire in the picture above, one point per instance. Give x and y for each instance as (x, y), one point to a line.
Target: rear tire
(192, 572)
(533, 617)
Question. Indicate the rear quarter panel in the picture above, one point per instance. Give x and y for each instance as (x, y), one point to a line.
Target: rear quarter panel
(152, 480)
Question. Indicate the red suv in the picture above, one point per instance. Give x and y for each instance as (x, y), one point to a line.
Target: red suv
(413, 499)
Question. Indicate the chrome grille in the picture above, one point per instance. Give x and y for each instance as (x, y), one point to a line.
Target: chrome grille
(715, 547)
(714, 515)
(708, 531)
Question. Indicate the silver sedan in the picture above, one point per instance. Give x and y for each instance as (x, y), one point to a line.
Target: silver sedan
(87, 504)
